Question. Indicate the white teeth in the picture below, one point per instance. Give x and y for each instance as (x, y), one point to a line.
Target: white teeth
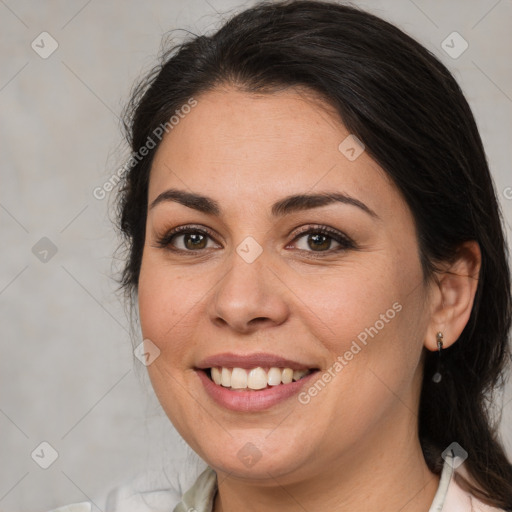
(256, 378)
(298, 374)
(238, 378)
(226, 378)
(274, 376)
(216, 376)
(287, 376)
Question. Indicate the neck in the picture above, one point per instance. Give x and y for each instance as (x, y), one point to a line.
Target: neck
(388, 474)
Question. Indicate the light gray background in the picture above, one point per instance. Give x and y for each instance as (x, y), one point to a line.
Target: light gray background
(67, 373)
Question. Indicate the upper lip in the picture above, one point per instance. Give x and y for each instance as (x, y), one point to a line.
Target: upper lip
(248, 361)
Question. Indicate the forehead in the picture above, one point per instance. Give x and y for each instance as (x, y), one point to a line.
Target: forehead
(241, 146)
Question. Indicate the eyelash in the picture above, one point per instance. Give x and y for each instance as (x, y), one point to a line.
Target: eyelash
(345, 242)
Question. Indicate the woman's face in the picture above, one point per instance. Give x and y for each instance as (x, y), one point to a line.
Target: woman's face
(253, 283)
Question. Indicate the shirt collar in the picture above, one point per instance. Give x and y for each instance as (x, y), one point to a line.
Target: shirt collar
(200, 497)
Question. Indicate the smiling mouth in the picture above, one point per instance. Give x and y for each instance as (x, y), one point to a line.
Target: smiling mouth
(254, 379)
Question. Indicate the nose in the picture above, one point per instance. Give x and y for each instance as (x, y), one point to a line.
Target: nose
(249, 297)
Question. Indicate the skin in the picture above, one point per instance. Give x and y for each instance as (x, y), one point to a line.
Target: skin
(354, 446)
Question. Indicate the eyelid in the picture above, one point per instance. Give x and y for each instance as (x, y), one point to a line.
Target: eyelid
(321, 229)
(164, 241)
(339, 237)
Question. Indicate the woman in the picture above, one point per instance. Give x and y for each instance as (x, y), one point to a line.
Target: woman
(317, 253)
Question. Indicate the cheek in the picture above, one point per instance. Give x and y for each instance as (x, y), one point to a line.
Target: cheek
(166, 299)
(370, 317)
(348, 304)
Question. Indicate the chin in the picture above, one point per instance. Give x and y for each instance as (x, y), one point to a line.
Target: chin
(249, 456)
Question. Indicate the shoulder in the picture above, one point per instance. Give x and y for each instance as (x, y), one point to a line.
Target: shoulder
(151, 491)
(451, 496)
(458, 499)
(84, 506)
(128, 498)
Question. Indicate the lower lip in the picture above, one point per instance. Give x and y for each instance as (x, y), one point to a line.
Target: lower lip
(249, 401)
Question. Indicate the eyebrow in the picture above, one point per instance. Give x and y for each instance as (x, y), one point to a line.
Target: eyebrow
(282, 207)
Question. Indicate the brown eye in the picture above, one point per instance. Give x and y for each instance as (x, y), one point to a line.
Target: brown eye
(186, 239)
(194, 240)
(321, 239)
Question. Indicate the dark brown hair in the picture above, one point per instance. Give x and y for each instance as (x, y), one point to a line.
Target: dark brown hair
(414, 121)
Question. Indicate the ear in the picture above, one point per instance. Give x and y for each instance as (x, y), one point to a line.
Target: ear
(452, 295)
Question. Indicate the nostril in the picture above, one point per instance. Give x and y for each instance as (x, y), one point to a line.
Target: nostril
(259, 320)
